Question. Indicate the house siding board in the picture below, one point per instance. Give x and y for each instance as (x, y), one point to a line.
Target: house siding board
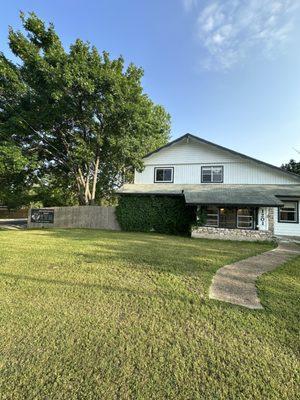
(286, 228)
(188, 158)
(234, 173)
(189, 153)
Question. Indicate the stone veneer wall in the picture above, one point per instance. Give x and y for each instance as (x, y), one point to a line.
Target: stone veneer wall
(206, 232)
(271, 219)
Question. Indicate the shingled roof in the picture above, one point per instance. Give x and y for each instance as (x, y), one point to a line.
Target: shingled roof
(255, 195)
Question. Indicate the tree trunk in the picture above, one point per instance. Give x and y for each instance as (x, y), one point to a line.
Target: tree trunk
(87, 189)
(93, 196)
(79, 191)
(86, 193)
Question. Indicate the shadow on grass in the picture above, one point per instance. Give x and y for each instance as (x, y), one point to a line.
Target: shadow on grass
(145, 253)
(105, 288)
(172, 254)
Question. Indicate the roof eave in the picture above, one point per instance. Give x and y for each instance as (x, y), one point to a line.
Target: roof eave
(297, 177)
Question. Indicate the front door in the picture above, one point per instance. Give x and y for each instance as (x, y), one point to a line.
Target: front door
(227, 218)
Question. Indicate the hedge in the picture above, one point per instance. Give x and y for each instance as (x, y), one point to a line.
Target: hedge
(162, 214)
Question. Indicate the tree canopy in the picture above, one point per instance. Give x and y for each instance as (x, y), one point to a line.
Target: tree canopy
(81, 117)
(292, 166)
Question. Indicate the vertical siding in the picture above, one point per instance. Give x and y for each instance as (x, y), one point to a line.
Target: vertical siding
(286, 228)
(234, 173)
(187, 159)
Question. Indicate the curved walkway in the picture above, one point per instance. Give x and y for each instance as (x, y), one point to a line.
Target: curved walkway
(235, 283)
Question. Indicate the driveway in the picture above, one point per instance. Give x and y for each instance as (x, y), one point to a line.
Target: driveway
(20, 223)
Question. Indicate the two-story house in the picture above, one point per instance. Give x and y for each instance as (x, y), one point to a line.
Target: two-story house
(242, 197)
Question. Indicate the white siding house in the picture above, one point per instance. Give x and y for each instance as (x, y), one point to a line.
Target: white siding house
(188, 158)
(287, 229)
(237, 192)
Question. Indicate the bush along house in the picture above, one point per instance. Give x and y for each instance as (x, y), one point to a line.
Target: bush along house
(234, 196)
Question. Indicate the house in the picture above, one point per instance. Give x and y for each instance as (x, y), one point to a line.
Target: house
(241, 197)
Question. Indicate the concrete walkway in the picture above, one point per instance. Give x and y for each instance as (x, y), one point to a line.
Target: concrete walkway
(235, 283)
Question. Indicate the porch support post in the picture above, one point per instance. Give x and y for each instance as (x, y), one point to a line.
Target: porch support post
(264, 218)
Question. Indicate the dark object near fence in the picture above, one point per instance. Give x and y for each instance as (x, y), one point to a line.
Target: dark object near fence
(42, 216)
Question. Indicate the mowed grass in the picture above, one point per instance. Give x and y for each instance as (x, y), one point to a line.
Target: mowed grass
(108, 315)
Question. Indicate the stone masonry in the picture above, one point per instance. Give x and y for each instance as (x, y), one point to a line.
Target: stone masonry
(206, 232)
(271, 219)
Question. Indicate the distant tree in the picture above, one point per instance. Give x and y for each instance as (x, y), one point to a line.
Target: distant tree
(51, 191)
(15, 176)
(83, 115)
(292, 166)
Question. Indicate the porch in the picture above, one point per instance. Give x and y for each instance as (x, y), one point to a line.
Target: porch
(230, 217)
(234, 223)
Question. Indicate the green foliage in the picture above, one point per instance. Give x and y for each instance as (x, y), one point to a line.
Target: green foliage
(84, 115)
(15, 175)
(163, 214)
(53, 191)
(201, 216)
(292, 166)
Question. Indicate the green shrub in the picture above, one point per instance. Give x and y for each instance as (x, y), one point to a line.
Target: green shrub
(201, 216)
(163, 214)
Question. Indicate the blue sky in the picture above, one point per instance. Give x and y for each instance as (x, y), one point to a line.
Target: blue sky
(226, 70)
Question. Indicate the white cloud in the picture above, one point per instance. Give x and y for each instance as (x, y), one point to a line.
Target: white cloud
(230, 29)
(189, 4)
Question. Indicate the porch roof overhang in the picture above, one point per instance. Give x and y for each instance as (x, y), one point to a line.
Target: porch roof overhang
(233, 197)
(219, 194)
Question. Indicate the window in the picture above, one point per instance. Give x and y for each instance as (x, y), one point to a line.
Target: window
(244, 218)
(288, 212)
(212, 174)
(212, 217)
(163, 175)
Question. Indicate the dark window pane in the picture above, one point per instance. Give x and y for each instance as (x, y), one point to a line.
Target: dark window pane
(287, 216)
(212, 216)
(212, 174)
(206, 175)
(245, 224)
(288, 212)
(244, 211)
(163, 175)
(167, 174)
(159, 174)
(217, 174)
(206, 178)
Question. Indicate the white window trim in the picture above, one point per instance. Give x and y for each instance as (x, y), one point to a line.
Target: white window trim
(164, 168)
(296, 212)
(211, 167)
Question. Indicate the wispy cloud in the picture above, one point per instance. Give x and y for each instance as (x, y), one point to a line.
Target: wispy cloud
(189, 4)
(229, 29)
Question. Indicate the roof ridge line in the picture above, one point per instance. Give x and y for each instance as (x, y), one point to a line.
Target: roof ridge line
(224, 149)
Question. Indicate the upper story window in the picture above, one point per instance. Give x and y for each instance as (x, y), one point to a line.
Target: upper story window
(164, 175)
(288, 212)
(213, 174)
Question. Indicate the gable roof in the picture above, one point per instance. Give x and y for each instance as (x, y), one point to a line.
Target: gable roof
(200, 140)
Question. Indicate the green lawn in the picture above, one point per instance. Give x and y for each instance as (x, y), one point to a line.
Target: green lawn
(107, 315)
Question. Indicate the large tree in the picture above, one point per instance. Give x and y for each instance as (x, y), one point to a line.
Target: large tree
(83, 115)
(292, 166)
(16, 172)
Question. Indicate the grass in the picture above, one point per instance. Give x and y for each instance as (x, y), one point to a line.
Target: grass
(107, 315)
